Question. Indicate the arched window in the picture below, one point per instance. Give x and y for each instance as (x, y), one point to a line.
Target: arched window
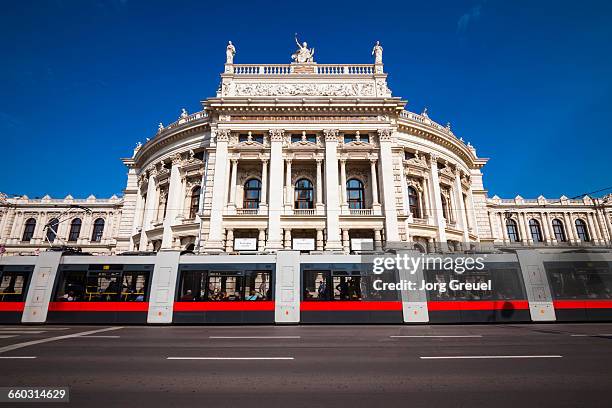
(52, 227)
(512, 230)
(355, 193)
(536, 231)
(444, 207)
(558, 230)
(303, 194)
(581, 229)
(194, 203)
(98, 229)
(413, 202)
(75, 230)
(252, 193)
(28, 230)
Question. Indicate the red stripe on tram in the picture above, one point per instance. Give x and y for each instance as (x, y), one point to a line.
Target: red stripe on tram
(348, 305)
(98, 306)
(228, 306)
(582, 304)
(12, 306)
(479, 305)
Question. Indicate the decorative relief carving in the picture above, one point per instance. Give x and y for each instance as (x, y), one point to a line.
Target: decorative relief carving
(384, 135)
(276, 135)
(331, 135)
(418, 160)
(305, 89)
(223, 135)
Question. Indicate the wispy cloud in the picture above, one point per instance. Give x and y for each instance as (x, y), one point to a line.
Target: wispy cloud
(468, 18)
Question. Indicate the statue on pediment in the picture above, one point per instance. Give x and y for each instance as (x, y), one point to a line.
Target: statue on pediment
(377, 52)
(230, 51)
(303, 54)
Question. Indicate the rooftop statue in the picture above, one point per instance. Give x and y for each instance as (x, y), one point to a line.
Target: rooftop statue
(230, 51)
(303, 54)
(377, 51)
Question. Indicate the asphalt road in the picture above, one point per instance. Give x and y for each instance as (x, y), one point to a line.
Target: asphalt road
(547, 365)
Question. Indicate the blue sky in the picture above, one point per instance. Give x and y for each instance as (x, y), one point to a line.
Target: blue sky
(526, 82)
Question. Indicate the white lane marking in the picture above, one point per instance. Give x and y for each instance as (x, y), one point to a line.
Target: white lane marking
(34, 328)
(255, 337)
(229, 358)
(99, 337)
(591, 335)
(485, 357)
(435, 336)
(49, 339)
(22, 331)
(16, 357)
(7, 337)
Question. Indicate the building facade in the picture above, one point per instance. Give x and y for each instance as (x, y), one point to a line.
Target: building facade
(315, 157)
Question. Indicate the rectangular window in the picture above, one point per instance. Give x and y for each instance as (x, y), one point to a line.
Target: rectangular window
(13, 285)
(346, 285)
(221, 286)
(103, 283)
(580, 280)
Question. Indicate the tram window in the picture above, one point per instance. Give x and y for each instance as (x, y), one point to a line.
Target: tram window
(223, 287)
(317, 285)
(580, 280)
(134, 286)
(72, 286)
(103, 286)
(347, 287)
(257, 286)
(343, 285)
(192, 286)
(12, 286)
(112, 285)
(505, 284)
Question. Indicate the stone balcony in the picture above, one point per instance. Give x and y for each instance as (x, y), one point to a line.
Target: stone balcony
(297, 69)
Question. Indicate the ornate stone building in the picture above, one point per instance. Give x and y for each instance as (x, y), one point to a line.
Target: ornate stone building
(308, 156)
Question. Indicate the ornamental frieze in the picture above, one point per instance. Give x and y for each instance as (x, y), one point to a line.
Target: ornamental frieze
(309, 89)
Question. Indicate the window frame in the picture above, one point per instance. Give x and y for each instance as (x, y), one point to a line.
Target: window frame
(75, 230)
(97, 231)
(535, 229)
(559, 230)
(513, 236)
(582, 230)
(359, 203)
(309, 190)
(248, 202)
(415, 209)
(194, 201)
(29, 228)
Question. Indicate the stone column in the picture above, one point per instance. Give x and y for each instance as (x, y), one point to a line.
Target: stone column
(232, 200)
(275, 239)
(375, 202)
(592, 229)
(139, 217)
(287, 238)
(377, 240)
(547, 229)
(346, 245)
(603, 228)
(150, 209)
(288, 189)
(472, 211)
(405, 204)
(525, 238)
(492, 221)
(504, 228)
(570, 230)
(437, 199)
(261, 239)
(229, 240)
(173, 203)
(264, 184)
(319, 240)
(3, 223)
(426, 202)
(319, 192)
(460, 211)
(215, 235)
(343, 185)
(331, 190)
